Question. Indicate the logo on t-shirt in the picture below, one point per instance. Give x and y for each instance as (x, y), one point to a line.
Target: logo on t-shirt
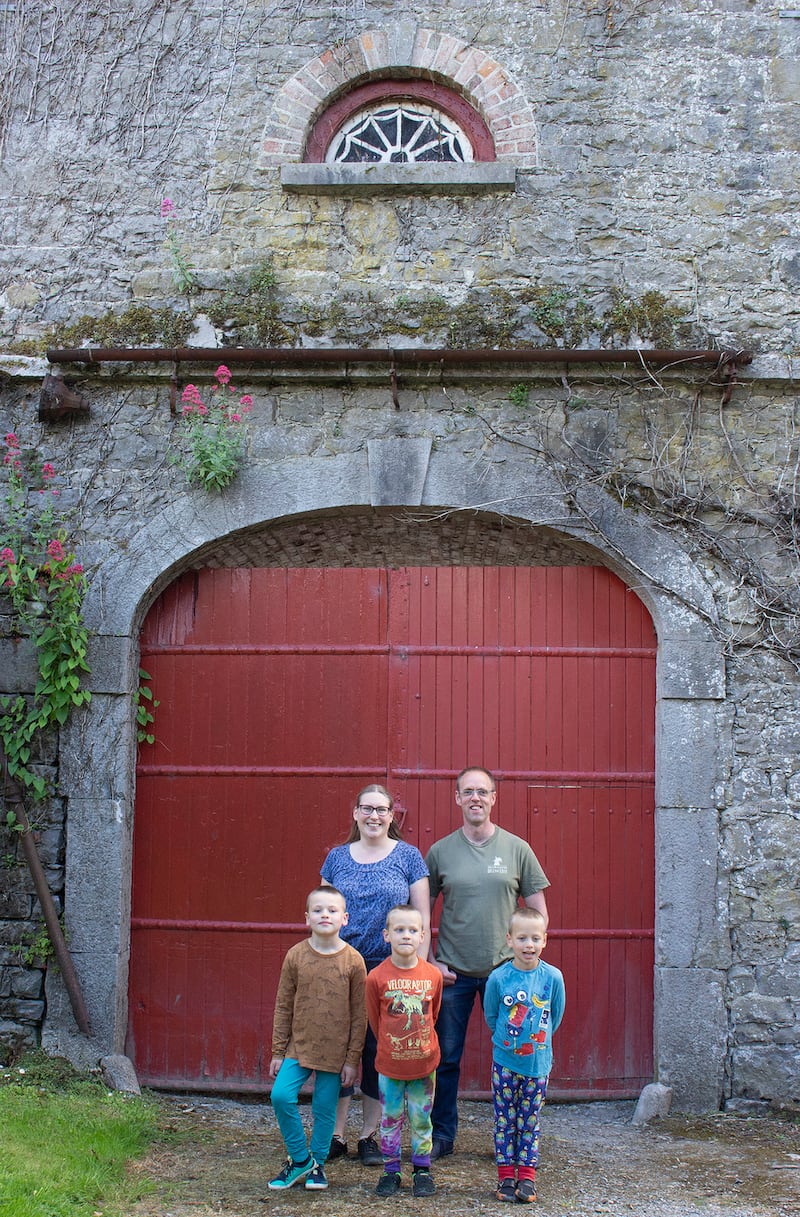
(497, 867)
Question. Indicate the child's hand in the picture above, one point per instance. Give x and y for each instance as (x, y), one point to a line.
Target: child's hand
(275, 1065)
(349, 1075)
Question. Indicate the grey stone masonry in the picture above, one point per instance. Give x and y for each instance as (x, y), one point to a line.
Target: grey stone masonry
(643, 196)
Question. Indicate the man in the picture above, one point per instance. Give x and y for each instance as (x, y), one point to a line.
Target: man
(481, 872)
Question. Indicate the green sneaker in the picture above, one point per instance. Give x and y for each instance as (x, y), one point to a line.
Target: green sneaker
(292, 1173)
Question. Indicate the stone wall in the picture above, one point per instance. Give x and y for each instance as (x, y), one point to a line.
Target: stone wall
(666, 161)
(657, 207)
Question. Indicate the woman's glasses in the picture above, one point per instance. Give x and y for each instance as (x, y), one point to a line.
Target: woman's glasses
(381, 812)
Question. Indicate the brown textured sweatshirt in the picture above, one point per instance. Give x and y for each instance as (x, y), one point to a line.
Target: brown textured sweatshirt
(320, 1014)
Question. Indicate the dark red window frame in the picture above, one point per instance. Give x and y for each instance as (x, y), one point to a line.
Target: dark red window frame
(386, 90)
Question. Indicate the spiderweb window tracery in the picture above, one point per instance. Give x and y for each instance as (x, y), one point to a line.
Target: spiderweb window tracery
(399, 132)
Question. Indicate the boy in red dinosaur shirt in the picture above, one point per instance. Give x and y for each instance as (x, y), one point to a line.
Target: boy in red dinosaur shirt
(403, 998)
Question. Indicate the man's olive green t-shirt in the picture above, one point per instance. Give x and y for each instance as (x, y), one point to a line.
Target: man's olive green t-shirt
(480, 886)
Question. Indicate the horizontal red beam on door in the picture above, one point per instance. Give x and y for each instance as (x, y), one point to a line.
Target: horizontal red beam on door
(262, 648)
(319, 648)
(548, 777)
(283, 927)
(548, 780)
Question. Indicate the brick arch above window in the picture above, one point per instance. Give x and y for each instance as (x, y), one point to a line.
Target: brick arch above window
(403, 53)
(395, 89)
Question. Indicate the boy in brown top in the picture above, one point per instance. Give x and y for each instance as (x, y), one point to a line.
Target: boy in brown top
(403, 998)
(319, 1027)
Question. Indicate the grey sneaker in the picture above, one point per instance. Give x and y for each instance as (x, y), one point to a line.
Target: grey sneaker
(525, 1191)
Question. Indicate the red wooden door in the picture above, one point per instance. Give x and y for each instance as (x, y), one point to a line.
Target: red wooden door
(283, 691)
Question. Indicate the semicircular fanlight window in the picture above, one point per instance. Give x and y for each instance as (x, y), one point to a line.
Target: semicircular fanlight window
(399, 132)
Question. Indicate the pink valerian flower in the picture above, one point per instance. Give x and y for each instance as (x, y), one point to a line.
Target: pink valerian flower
(11, 440)
(48, 472)
(246, 403)
(167, 209)
(235, 418)
(223, 374)
(7, 555)
(55, 550)
(191, 394)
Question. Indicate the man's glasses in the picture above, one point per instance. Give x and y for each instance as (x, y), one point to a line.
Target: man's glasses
(472, 791)
(366, 810)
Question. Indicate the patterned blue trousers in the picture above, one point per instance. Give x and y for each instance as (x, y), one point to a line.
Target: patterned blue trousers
(517, 1102)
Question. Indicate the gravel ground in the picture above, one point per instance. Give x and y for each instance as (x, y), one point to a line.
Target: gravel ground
(593, 1161)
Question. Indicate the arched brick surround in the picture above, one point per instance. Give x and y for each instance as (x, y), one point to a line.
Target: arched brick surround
(424, 53)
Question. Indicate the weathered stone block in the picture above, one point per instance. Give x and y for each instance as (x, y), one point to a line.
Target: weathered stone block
(119, 1073)
(690, 1051)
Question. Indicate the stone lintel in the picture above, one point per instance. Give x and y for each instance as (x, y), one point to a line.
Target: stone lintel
(475, 177)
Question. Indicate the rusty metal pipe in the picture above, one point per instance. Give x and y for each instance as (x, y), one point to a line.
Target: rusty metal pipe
(12, 797)
(398, 355)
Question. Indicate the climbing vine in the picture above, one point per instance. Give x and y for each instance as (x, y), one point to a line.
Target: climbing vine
(693, 470)
(45, 587)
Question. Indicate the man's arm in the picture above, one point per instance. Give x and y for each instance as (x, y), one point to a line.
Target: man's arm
(448, 977)
(538, 902)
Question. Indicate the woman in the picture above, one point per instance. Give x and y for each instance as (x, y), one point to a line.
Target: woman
(375, 869)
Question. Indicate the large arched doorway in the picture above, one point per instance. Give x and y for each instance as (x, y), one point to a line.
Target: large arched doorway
(282, 690)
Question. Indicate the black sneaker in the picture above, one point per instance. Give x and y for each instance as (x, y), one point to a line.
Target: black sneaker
(388, 1184)
(338, 1149)
(441, 1149)
(422, 1184)
(506, 1190)
(525, 1191)
(369, 1152)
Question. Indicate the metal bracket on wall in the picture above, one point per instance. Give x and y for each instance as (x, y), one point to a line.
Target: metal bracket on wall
(57, 400)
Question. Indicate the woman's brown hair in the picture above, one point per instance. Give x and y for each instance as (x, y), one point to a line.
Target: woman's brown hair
(394, 831)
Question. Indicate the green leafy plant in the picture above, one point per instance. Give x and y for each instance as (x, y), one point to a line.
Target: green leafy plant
(182, 269)
(518, 395)
(46, 587)
(213, 434)
(39, 949)
(144, 717)
(248, 310)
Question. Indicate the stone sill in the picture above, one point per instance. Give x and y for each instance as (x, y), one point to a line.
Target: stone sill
(477, 177)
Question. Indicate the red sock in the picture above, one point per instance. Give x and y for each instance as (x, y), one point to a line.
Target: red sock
(505, 1172)
(527, 1172)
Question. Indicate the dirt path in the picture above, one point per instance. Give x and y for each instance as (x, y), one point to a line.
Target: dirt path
(594, 1162)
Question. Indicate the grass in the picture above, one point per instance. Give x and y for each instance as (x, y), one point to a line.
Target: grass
(66, 1140)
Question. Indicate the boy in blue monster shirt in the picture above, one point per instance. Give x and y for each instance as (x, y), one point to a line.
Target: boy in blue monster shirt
(523, 1005)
